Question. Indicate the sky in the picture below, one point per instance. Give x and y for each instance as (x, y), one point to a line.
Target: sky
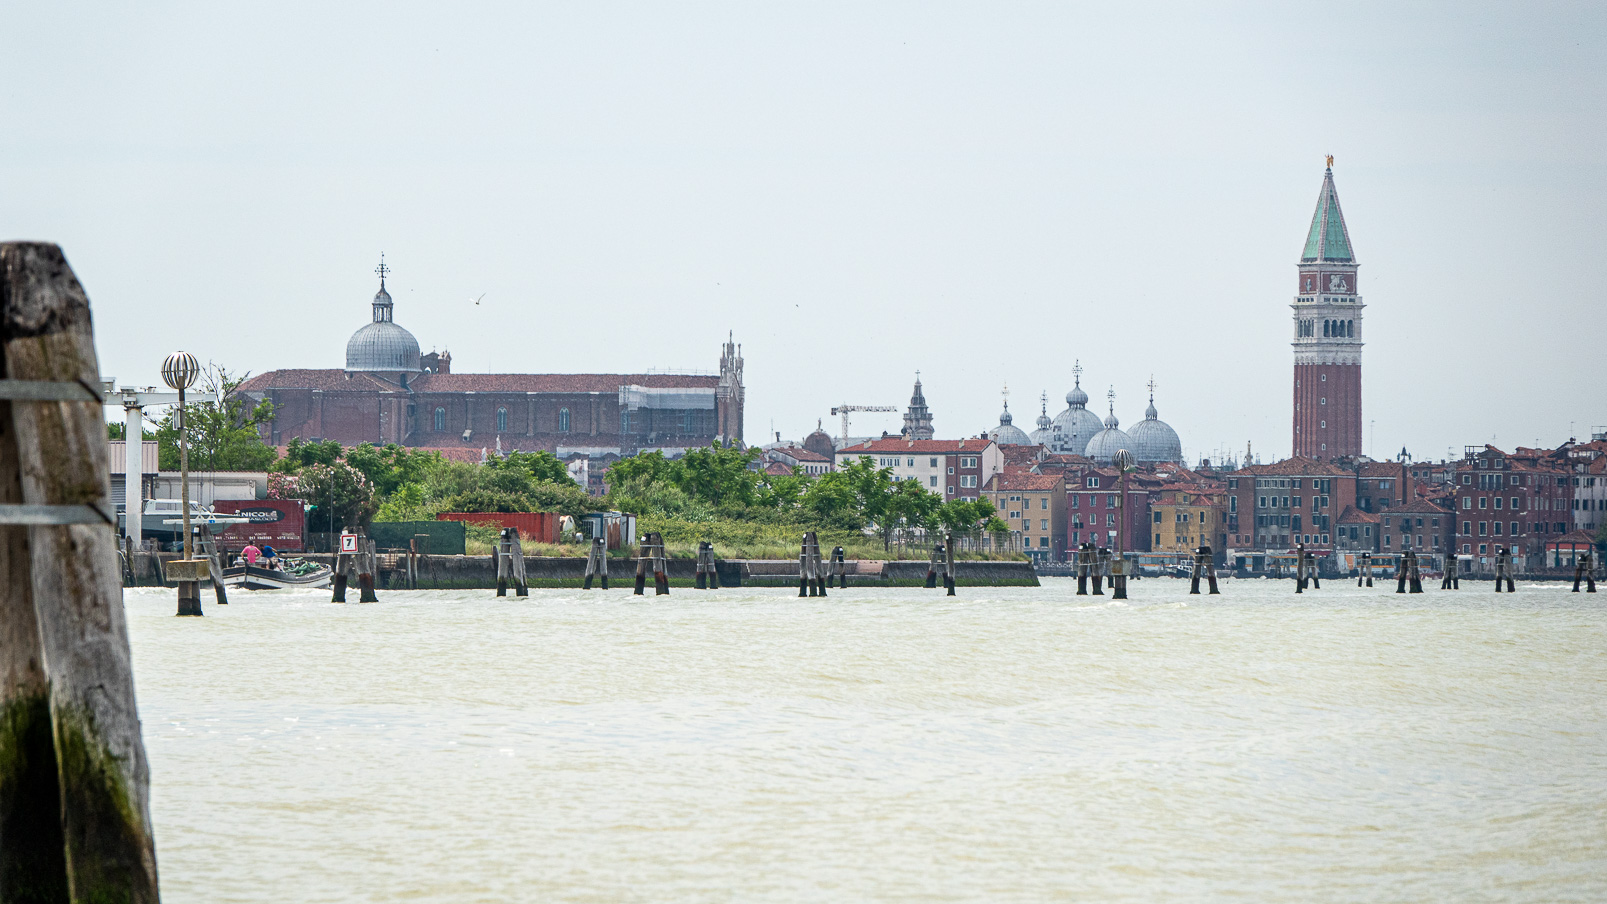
(986, 193)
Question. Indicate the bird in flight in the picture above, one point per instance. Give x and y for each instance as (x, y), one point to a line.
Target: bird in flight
(477, 300)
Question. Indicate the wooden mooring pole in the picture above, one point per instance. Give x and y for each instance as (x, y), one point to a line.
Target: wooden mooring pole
(1584, 570)
(75, 821)
(1452, 580)
(948, 565)
(597, 563)
(932, 565)
(1082, 569)
(643, 563)
(1101, 561)
(1503, 569)
(661, 567)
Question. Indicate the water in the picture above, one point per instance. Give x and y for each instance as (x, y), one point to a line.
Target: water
(886, 745)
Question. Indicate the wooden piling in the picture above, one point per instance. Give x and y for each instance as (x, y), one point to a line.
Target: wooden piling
(1402, 572)
(1082, 569)
(1452, 580)
(1100, 558)
(1118, 576)
(94, 825)
(1210, 570)
(661, 567)
(932, 563)
(1585, 566)
(214, 564)
(504, 561)
(1194, 576)
(521, 584)
(839, 561)
(948, 565)
(644, 556)
(338, 577)
(597, 563)
(1300, 569)
(367, 564)
(1503, 569)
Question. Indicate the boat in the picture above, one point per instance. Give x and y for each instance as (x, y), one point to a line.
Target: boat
(295, 574)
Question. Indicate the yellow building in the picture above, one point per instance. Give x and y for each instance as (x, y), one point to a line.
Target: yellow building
(1183, 518)
(1035, 508)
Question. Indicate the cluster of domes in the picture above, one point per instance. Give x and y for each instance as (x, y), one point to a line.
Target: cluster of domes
(1078, 431)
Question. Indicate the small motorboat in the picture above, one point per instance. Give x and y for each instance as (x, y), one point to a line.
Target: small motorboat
(294, 573)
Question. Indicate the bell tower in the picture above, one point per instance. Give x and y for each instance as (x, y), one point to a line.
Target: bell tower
(1327, 336)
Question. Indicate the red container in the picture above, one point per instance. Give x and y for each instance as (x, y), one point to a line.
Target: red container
(534, 527)
(279, 523)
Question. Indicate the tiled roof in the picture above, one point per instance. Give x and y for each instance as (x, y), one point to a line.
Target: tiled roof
(603, 383)
(1354, 515)
(1013, 479)
(917, 446)
(1574, 538)
(1419, 507)
(326, 380)
(1379, 469)
(1296, 467)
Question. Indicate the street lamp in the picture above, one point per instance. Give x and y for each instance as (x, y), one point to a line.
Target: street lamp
(179, 372)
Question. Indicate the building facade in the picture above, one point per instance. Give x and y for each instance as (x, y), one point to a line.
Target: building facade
(1327, 337)
(389, 393)
(1034, 507)
(1519, 502)
(954, 469)
(1183, 518)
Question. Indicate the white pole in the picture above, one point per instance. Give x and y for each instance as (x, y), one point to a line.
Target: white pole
(134, 469)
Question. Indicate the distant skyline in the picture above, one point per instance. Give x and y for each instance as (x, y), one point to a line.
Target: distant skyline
(985, 194)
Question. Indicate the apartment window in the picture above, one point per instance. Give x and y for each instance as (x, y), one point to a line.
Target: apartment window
(1157, 517)
(933, 479)
(1074, 500)
(1093, 482)
(910, 463)
(688, 422)
(1043, 503)
(967, 480)
(502, 420)
(1484, 528)
(968, 462)
(1110, 519)
(1043, 542)
(1515, 530)
(1386, 541)
(1044, 522)
(933, 464)
(1498, 528)
(1498, 501)
(951, 470)
(951, 491)
(440, 419)
(1484, 502)
(1514, 503)
(1110, 501)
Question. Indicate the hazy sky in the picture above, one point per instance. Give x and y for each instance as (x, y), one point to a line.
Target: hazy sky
(985, 192)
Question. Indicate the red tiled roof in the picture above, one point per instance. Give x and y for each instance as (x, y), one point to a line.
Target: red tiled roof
(1578, 538)
(1354, 515)
(604, 383)
(1021, 479)
(1296, 467)
(1379, 469)
(326, 380)
(1419, 507)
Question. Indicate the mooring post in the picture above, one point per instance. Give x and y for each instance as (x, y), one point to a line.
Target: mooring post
(504, 561)
(1194, 577)
(1300, 569)
(1100, 558)
(338, 583)
(700, 579)
(1118, 576)
(840, 558)
(948, 564)
(1402, 571)
(804, 587)
(75, 821)
(1316, 576)
(643, 563)
(1452, 580)
(368, 563)
(661, 567)
(1210, 569)
(520, 582)
(1082, 570)
(1586, 565)
(931, 564)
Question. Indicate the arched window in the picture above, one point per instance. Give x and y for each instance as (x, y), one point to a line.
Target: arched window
(563, 420)
(1350, 329)
(1325, 328)
(502, 420)
(440, 419)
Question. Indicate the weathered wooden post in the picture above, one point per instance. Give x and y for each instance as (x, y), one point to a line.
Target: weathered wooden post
(1585, 566)
(1082, 569)
(1503, 568)
(367, 560)
(1415, 581)
(661, 567)
(521, 583)
(931, 565)
(1312, 572)
(1101, 560)
(214, 561)
(839, 561)
(75, 819)
(644, 561)
(1210, 569)
(1452, 580)
(1194, 576)
(597, 563)
(1300, 569)
(1402, 572)
(504, 554)
(948, 564)
(1118, 576)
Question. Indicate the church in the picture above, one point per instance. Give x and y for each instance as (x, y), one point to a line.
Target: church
(389, 393)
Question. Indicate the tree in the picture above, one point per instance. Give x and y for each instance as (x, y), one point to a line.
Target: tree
(299, 454)
(116, 431)
(719, 475)
(541, 466)
(223, 436)
(388, 468)
(341, 497)
(909, 505)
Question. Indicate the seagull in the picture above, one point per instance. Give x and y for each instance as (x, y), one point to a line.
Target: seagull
(477, 300)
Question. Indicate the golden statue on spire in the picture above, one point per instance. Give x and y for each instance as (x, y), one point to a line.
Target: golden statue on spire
(1330, 161)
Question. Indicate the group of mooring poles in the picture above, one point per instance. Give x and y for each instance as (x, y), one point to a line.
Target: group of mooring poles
(1408, 574)
(1204, 563)
(1584, 570)
(1092, 563)
(597, 563)
(75, 816)
(511, 564)
(811, 568)
(942, 563)
(651, 557)
(361, 565)
(1503, 569)
(1306, 570)
(708, 577)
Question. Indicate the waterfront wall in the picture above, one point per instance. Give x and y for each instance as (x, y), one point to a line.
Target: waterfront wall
(479, 572)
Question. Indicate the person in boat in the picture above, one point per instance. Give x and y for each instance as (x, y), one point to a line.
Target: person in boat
(270, 558)
(251, 554)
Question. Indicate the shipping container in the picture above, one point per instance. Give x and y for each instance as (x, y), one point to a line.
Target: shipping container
(534, 527)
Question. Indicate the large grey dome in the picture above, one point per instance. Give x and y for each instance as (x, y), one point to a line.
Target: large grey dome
(1071, 429)
(1107, 442)
(382, 346)
(1008, 434)
(1154, 439)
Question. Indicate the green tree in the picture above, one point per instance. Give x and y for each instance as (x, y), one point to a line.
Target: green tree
(719, 475)
(223, 436)
(542, 466)
(908, 505)
(387, 467)
(299, 454)
(342, 498)
(116, 431)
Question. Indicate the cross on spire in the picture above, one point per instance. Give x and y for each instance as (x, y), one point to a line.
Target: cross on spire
(381, 270)
(1111, 395)
(1076, 371)
(1006, 394)
(1152, 388)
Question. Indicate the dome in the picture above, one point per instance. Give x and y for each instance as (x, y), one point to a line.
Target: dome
(1071, 429)
(1040, 436)
(382, 346)
(1007, 434)
(1154, 439)
(820, 442)
(1106, 443)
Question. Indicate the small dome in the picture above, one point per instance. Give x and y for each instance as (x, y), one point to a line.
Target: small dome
(1007, 434)
(1077, 398)
(820, 442)
(1106, 443)
(1042, 435)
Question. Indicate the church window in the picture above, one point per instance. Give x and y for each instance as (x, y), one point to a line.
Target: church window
(1325, 378)
(686, 423)
(1324, 400)
(563, 420)
(1325, 425)
(502, 420)
(440, 419)
(624, 422)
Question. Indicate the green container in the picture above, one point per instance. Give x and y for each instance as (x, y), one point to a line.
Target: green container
(445, 538)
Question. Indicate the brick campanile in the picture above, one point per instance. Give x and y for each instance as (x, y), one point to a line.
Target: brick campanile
(1327, 336)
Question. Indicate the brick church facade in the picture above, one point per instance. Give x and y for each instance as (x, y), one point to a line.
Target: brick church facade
(389, 393)
(1327, 337)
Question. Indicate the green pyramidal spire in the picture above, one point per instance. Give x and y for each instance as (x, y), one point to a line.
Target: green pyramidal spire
(1328, 239)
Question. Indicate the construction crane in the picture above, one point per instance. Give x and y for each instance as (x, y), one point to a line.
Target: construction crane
(845, 410)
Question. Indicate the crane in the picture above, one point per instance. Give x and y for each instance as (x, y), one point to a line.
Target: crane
(844, 410)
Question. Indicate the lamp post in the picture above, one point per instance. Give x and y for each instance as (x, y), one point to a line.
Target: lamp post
(179, 371)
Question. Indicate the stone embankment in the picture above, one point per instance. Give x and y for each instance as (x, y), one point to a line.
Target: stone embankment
(480, 572)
